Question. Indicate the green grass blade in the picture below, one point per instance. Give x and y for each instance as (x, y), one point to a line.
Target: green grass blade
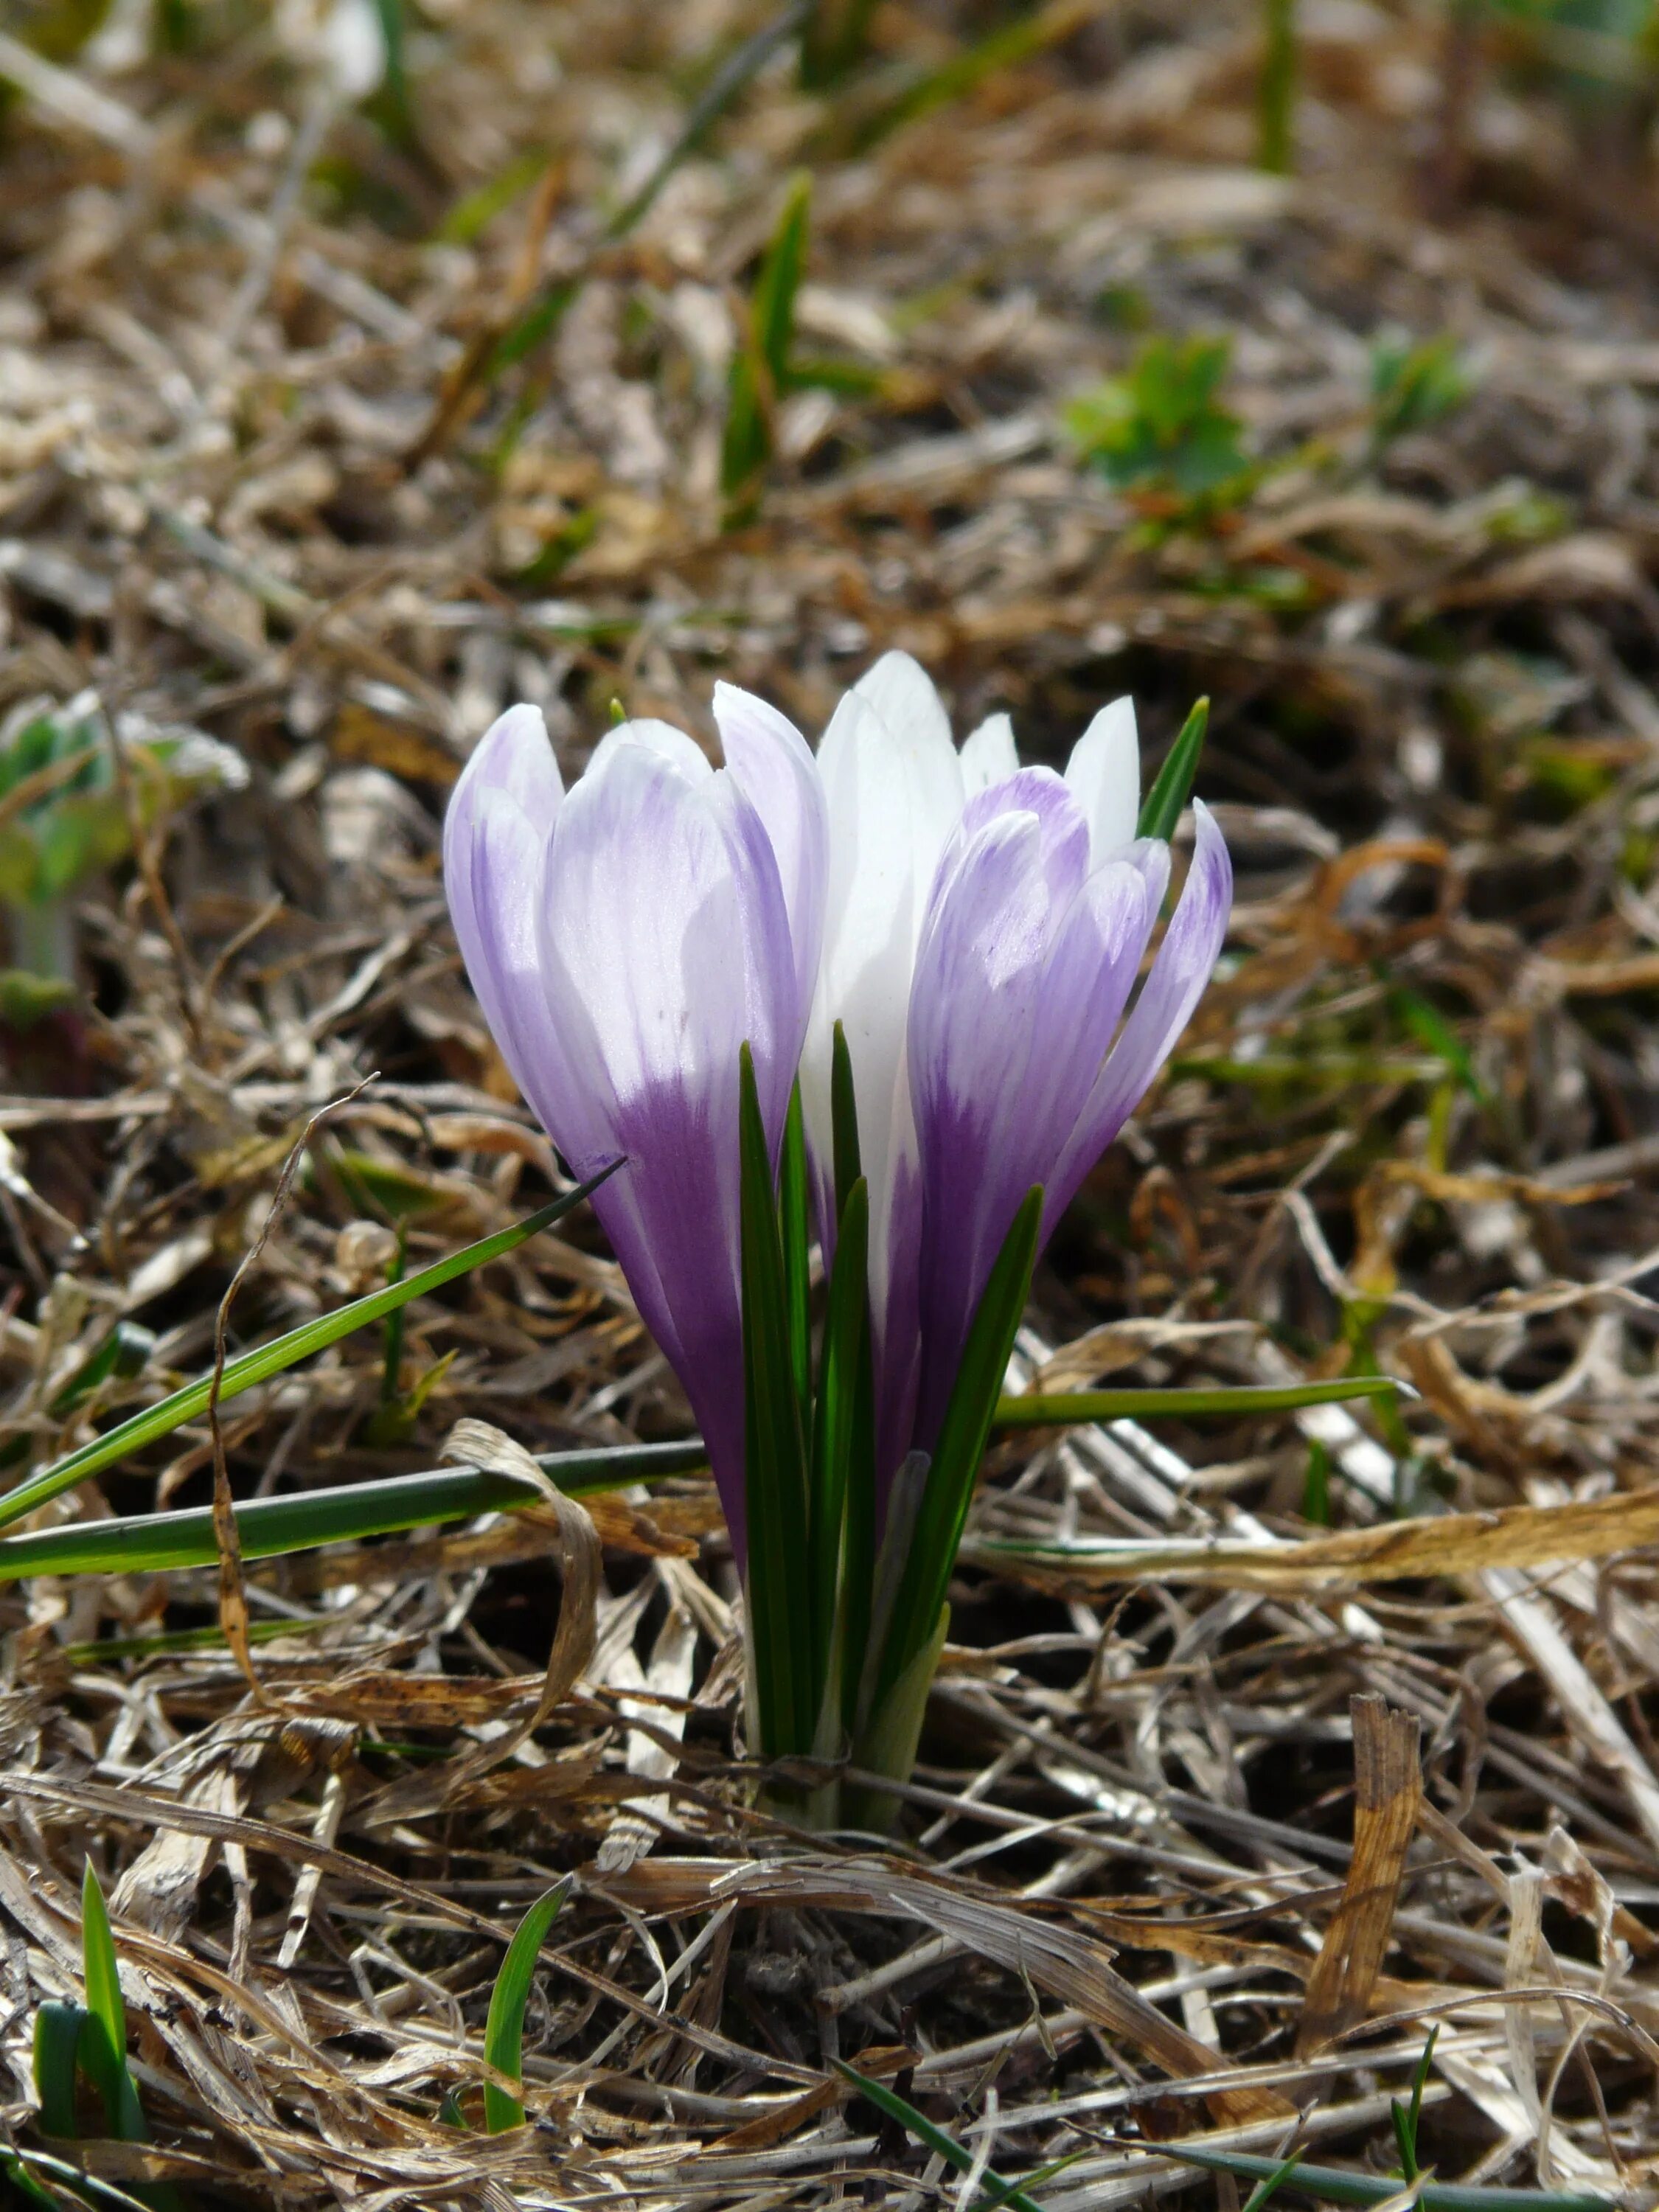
(504, 2029)
(1271, 2187)
(780, 1610)
(1402, 2139)
(97, 1965)
(844, 1120)
(1336, 2185)
(795, 1221)
(1168, 796)
(104, 2035)
(962, 1439)
(1063, 1408)
(265, 1360)
(22, 2165)
(57, 2046)
(29, 2190)
(1409, 2118)
(268, 1527)
(954, 2153)
(780, 280)
(839, 1444)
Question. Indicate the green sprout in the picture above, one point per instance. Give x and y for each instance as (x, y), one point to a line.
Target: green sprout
(66, 813)
(1160, 430)
(1413, 385)
(766, 368)
(76, 2043)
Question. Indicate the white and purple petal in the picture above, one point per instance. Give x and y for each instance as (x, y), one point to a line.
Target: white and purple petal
(1192, 944)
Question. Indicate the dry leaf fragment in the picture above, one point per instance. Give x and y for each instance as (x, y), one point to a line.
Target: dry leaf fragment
(1387, 1785)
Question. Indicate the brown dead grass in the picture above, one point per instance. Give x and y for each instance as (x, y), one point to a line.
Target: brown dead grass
(252, 479)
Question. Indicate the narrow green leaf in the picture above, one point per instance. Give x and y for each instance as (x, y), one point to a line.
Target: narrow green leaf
(780, 280)
(504, 2029)
(104, 2035)
(1064, 1408)
(98, 1967)
(265, 1360)
(1406, 2122)
(450, 2114)
(268, 1527)
(1271, 2187)
(1168, 796)
(887, 1744)
(794, 1221)
(961, 1446)
(841, 1441)
(1402, 2139)
(88, 2188)
(31, 2191)
(57, 2046)
(760, 368)
(954, 2153)
(1429, 1026)
(844, 1120)
(779, 1606)
(1337, 2185)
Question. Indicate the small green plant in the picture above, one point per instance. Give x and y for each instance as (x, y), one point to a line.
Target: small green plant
(760, 368)
(1407, 2117)
(75, 2043)
(64, 816)
(504, 2029)
(766, 367)
(1161, 431)
(1414, 385)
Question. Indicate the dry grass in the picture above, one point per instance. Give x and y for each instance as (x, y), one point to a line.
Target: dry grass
(253, 480)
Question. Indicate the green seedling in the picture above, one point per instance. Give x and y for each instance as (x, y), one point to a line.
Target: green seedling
(1160, 431)
(1407, 2117)
(66, 813)
(75, 2043)
(1413, 385)
(504, 2029)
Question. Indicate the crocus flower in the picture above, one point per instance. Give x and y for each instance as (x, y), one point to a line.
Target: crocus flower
(625, 939)
(985, 928)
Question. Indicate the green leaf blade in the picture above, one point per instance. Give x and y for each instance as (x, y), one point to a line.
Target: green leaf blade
(964, 1432)
(57, 2047)
(794, 1221)
(1072, 1408)
(104, 2034)
(774, 1469)
(270, 1527)
(1164, 802)
(504, 2029)
(259, 1365)
(843, 1456)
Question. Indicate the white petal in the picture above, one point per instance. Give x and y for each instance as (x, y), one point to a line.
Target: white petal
(1104, 771)
(660, 738)
(988, 757)
(900, 692)
(773, 766)
(872, 914)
